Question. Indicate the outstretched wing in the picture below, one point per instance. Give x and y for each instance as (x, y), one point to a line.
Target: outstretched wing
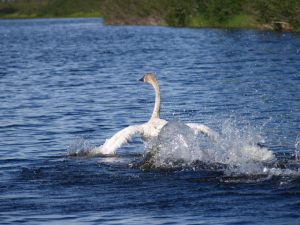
(122, 137)
(212, 135)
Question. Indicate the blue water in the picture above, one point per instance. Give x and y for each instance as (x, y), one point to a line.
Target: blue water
(73, 82)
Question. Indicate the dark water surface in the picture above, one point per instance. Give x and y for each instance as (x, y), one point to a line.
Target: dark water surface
(73, 82)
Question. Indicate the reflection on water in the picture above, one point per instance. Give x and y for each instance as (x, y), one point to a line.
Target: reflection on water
(72, 83)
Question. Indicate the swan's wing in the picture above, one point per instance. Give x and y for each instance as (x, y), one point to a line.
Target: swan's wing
(122, 137)
(204, 130)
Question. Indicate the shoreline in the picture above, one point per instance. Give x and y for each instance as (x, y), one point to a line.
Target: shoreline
(158, 22)
(274, 15)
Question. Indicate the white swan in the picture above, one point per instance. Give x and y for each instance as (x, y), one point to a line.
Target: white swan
(146, 130)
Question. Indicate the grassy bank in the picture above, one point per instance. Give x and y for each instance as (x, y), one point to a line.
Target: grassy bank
(271, 14)
(50, 8)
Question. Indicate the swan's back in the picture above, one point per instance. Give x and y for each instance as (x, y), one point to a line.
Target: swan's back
(152, 128)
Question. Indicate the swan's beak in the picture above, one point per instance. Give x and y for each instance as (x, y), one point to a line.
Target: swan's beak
(142, 79)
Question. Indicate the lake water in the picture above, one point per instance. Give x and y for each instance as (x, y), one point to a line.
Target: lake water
(69, 84)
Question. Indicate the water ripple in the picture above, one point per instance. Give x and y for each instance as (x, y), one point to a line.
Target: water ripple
(67, 80)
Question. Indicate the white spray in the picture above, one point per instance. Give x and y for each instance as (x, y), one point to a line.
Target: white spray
(297, 147)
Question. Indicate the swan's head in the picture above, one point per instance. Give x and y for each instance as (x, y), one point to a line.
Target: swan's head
(148, 78)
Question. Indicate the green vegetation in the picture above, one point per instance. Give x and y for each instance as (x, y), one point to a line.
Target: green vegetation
(50, 8)
(192, 13)
(134, 11)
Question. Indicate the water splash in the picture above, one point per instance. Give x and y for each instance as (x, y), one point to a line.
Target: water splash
(238, 153)
(297, 147)
(238, 146)
(80, 147)
(175, 142)
(178, 143)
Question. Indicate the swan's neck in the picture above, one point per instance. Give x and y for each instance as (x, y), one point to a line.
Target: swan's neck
(156, 109)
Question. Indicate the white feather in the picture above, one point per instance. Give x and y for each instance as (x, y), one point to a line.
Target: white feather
(200, 128)
(120, 138)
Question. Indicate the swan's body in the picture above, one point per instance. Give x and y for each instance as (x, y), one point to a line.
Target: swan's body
(149, 129)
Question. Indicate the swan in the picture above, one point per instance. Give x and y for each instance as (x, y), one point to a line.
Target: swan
(149, 129)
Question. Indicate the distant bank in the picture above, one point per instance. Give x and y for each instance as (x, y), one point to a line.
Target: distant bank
(272, 14)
